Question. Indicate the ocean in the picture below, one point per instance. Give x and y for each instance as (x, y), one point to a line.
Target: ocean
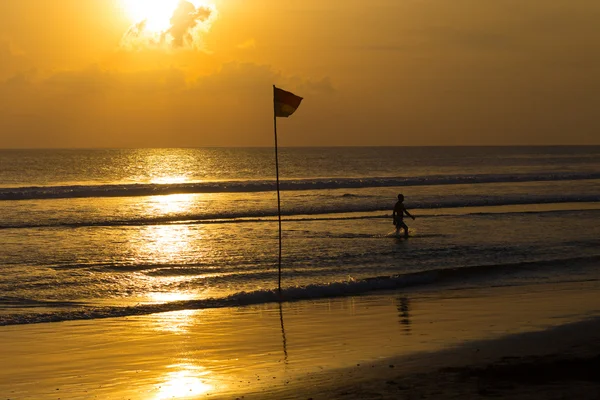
(88, 234)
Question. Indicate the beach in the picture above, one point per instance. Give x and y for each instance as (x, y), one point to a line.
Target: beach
(558, 363)
(299, 200)
(533, 341)
(152, 274)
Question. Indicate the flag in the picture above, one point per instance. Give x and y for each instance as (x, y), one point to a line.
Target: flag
(285, 102)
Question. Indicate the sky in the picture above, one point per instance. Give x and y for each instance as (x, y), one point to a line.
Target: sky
(195, 73)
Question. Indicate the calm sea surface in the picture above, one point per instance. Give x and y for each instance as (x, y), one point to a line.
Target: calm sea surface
(100, 233)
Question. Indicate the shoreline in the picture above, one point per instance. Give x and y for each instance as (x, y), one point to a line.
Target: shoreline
(295, 351)
(559, 361)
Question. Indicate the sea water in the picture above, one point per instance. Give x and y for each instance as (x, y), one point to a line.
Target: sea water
(100, 233)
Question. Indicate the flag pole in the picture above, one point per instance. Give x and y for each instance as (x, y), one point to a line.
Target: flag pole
(278, 195)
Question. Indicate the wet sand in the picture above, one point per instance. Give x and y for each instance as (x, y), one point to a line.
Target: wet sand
(517, 342)
(557, 363)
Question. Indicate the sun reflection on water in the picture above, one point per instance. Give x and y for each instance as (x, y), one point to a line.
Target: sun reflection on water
(184, 380)
(169, 179)
(170, 256)
(165, 240)
(171, 204)
(175, 321)
(170, 239)
(165, 297)
(165, 165)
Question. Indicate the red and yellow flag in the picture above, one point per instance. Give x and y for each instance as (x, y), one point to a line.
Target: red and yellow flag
(285, 102)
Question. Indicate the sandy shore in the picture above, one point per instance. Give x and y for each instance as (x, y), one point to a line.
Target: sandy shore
(557, 363)
(538, 341)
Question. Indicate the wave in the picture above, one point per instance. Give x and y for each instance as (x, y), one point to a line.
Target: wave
(312, 213)
(249, 186)
(18, 302)
(298, 293)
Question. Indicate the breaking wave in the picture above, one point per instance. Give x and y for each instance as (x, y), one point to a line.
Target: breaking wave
(308, 212)
(315, 291)
(249, 186)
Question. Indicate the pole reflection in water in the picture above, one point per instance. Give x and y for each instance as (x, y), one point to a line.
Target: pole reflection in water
(283, 339)
(404, 313)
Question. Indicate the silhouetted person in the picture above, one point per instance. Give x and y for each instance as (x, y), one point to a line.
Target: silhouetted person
(398, 215)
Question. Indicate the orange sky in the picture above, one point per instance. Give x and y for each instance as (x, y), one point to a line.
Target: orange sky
(383, 72)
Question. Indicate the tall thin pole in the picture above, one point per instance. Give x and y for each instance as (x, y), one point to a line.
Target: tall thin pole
(278, 195)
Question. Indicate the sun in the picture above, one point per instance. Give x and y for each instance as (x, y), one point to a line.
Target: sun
(167, 24)
(155, 13)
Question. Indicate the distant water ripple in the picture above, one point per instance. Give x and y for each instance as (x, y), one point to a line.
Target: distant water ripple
(250, 186)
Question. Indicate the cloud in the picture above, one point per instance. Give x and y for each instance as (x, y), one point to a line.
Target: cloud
(187, 25)
(248, 44)
(96, 107)
(12, 60)
(242, 82)
(184, 21)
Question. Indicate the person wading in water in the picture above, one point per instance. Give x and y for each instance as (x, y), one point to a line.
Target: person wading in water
(398, 215)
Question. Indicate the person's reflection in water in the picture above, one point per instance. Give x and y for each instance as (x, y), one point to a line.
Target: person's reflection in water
(404, 313)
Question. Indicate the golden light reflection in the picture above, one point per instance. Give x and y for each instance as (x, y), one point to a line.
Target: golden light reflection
(175, 321)
(169, 179)
(185, 380)
(171, 253)
(160, 297)
(173, 203)
(166, 166)
(165, 242)
(171, 242)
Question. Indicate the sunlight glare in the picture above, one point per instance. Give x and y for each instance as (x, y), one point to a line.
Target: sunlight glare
(167, 24)
(167, 243)
(156, 13)
(169, 179)
(162, 297)
(177, 322)
(172, 204)
(184, 381)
